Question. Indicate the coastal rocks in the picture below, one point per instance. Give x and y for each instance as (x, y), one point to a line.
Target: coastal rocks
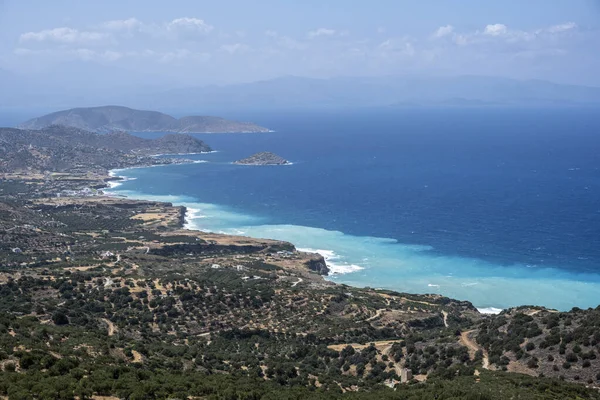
(318, 265)
(263, 158)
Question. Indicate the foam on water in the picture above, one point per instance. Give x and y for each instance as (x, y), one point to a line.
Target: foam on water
(490, 310)
(334, 263)
(124, 178)
(115, 184)
(183, 154)
(384, 263)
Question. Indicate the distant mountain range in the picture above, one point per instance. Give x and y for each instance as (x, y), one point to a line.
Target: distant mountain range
(116, 118)
(57, 90)
(295, 92)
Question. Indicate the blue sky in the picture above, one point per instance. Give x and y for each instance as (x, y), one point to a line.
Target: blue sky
(227, 41)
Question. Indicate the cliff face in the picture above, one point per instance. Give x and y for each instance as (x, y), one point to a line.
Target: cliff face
(115, 118)
(318, 265)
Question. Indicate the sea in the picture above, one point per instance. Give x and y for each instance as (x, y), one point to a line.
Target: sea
(497, 206)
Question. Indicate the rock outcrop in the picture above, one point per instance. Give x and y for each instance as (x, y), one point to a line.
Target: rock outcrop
(264, 158)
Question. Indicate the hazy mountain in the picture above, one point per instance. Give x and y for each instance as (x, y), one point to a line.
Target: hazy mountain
(294, 92)
(60, 91)
(116, 118)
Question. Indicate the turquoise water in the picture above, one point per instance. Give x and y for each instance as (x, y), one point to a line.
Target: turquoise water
(496, 207)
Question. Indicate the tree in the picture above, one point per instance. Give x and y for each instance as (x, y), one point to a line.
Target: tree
(60, 318)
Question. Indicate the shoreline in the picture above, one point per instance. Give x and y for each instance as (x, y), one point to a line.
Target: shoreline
(546, 281)
(327, 255)
(486, 308)
(113, 180)
(183, 154)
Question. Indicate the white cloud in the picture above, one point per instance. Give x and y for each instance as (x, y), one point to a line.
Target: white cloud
(90, 55)
(64, 35)
(444, 31)
(129, 24)
(562, 27)
(86, 54)
(495, 30)
(400, 46)
(501, 31)
(321, 32)
(188, 42)
(498, 40)
(178, 54)
(114, 31)
(461, 40)
(190, 25)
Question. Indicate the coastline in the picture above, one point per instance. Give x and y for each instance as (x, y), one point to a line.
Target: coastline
(329, 256)
(190, 213)
(113, 180)
(406, 268)
(182, 154)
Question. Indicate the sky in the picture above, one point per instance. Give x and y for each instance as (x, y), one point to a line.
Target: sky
(197, 42)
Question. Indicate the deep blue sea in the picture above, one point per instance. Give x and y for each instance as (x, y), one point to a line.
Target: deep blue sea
(497, 206)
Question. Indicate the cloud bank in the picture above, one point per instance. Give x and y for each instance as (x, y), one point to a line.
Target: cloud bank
(191, 42)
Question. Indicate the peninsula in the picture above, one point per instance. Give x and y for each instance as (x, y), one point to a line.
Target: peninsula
(107, 119)
(59, 148)
(263, 158)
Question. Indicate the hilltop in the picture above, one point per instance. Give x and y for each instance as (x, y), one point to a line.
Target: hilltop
(116, 118)
(58, 148)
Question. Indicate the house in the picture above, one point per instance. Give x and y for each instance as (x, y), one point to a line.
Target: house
(406, 375)
(107, 254)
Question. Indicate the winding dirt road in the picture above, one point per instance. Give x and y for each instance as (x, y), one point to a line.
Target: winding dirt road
(473, 347)
(111, 327)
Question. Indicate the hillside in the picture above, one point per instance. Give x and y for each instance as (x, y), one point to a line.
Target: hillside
(59, 148)
(115, 118)
(110, 297)
(106, 296)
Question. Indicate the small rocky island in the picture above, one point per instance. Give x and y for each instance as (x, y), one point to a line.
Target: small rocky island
(263, 158)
